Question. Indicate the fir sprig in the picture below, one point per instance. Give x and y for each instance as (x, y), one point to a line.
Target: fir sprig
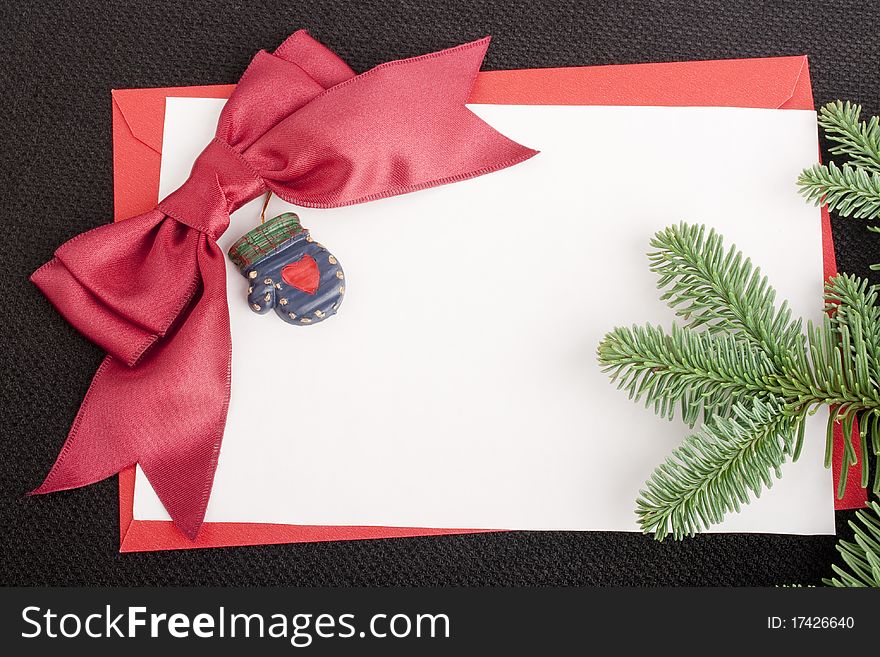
(749, 371)
(718, 289)
(853, 138)
(853, 188)
(862, 556)
(848, 190)
(713, 471)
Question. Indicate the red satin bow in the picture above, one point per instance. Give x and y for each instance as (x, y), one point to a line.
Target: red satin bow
(151, 290)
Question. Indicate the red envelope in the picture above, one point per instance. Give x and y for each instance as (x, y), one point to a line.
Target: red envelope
(138, 119)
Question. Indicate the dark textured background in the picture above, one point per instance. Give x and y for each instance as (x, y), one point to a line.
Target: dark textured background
(59, 62)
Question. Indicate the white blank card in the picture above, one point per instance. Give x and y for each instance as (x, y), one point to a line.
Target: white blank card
(458, 384)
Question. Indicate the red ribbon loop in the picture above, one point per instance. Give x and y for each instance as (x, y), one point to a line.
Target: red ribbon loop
(151, 290)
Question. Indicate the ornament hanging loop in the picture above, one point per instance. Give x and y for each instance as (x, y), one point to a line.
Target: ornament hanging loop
(265, 205)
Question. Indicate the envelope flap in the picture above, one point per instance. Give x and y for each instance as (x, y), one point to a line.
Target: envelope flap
(143, 113)
(770, 82)
(802, 93)
(143, 110)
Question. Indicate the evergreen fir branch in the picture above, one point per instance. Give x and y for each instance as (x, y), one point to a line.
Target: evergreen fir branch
(719, 290)
(848, 190)
(752, 373)
(856, 139)
(862, 556)
(851, 301)
(714, 471)
(833, 368)
(689, 369)
(854, 188)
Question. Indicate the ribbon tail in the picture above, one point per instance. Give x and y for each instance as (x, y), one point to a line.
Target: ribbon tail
(167, 414)
(398, 128)
(89, 456)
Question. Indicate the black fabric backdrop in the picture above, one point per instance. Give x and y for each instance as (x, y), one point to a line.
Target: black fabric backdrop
(59, 62)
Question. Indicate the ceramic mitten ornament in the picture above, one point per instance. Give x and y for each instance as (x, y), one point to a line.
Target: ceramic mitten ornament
(288, 271)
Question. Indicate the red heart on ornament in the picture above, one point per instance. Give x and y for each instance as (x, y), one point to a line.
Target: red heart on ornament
(302, 274)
